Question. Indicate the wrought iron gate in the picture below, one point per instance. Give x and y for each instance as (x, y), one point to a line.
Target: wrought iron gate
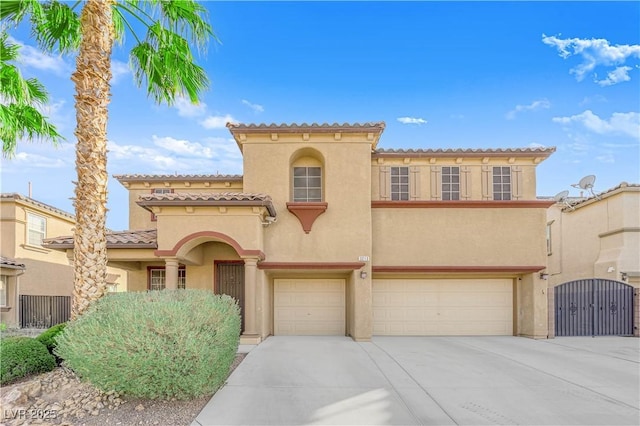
(230, 280)
(44, 311)
(594, 307)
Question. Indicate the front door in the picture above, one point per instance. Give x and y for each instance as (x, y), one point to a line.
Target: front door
(230, 281)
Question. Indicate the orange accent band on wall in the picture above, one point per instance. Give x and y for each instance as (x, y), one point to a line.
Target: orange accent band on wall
(477, 204)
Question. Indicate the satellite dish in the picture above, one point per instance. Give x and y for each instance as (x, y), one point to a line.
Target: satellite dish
(587, 184)
(561, 197)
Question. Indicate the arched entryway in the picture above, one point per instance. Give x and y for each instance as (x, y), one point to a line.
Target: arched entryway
(594, 307)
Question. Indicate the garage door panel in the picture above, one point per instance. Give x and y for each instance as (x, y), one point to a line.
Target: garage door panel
(443, 307)
(309, 307)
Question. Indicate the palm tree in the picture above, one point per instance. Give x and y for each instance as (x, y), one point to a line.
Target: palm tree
(162, 60)
(19, 116)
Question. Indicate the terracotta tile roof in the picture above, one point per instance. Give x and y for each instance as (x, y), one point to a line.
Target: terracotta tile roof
(176, 177)
(7, 262)
(605, 194)
(120, 239)
(304, 127)
(35, 203)
(465, 152)
(208, 199)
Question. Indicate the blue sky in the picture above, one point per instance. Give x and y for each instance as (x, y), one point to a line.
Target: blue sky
(440, 74)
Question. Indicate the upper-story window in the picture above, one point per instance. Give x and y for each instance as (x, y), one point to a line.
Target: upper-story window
(307, 184)
(36, 229)
(450, 183)
(400, 183)
(502, 183)
(159, 191)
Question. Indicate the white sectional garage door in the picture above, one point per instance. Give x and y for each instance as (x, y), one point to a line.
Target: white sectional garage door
(309, 307)
(445, 307)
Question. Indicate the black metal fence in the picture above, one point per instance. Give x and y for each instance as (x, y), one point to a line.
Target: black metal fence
(594, 307)
(44, 311)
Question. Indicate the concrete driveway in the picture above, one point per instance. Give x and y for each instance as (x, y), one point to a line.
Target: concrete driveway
(433, 380)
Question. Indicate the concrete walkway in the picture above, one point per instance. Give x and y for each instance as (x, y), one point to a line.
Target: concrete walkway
(432, 380)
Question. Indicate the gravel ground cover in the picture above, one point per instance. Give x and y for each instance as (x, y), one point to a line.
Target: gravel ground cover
(60, 398)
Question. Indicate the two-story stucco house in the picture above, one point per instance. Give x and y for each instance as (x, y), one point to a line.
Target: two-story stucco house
(325, 233)
(30, 269)
(593, 248)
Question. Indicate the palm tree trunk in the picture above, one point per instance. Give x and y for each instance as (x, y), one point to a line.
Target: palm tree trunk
(91, 78)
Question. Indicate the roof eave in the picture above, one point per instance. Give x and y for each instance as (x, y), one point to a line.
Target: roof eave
(146, 204)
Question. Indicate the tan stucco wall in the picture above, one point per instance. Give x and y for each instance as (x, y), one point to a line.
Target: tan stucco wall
(9, 312)
(532, 307)
(140, 218)
(459, 237)
(427, 166)
(598, 236)
(343, 232)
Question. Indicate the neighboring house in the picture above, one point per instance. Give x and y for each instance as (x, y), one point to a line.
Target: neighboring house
(47, 273)
(10, 271)
(593, 249)
(324, 233)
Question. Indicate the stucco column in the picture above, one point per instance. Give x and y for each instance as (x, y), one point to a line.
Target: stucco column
(171, 274)
(250, 273)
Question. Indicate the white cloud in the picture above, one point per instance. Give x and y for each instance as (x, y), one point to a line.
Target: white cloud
(217, 121)
(412, 120)
(118, 70)
(616, 76)
(254, 107)
(606, 158)
(25, 159)
(533, 106)
(32, 57)
(186, 108)
(140, 153)
(592, 99)
(624, 123)
(594, 53)
(183, 147)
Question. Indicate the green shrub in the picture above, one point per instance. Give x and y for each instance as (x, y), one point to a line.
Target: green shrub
(48, 336)
(157, 344)
(22, 356)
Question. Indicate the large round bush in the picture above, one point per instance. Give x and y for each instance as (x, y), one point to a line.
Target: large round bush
(158, 344)
(22, 356)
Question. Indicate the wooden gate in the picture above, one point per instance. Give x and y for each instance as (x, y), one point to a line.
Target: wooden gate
(594, 307)
(230, 280)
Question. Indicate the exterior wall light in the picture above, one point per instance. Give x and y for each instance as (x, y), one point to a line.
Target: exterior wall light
(544, 276)
(363, 274)
(623, 276)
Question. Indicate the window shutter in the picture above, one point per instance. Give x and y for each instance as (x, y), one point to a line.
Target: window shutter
(414, 183)
(465, 183)
(385, 183)
(487, 183)
(436, 183)
(516, 178)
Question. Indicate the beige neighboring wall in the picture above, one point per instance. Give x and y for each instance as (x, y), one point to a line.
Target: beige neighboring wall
(596, 238)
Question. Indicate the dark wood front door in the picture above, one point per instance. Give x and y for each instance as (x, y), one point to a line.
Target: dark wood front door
(230, 281)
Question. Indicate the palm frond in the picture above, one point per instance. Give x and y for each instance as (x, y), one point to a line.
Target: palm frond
(15, 10)
(23, 122)
(58, 28)
(164, 61)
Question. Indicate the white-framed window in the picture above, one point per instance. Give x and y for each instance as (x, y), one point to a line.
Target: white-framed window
(4, 282)
(502, 183)
(450, 183)
(399, 183)
(157, 278)
(307, 184)
(36, 229)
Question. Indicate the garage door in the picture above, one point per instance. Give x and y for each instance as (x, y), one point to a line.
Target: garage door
(461, 307)
(309, 307)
